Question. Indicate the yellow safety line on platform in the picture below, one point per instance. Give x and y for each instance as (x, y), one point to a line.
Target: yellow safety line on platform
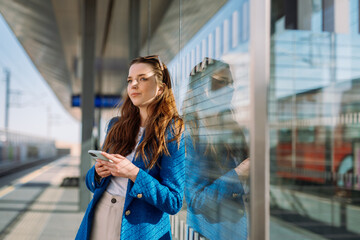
(24, 180)
(6, 190)
(33, 175)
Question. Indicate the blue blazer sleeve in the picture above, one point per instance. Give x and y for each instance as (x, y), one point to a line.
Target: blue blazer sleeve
(90, 181)
(166, 193)
(215, 199)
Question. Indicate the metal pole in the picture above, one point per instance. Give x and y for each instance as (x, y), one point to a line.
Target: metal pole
(87, 96)
(7, 99)
(134, 26)
(48, 111)
(149, 28)
(259, 153)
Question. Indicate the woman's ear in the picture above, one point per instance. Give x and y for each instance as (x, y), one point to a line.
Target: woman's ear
(161, 89)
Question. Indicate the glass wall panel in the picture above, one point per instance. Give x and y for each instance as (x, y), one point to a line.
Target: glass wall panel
(214, 101)
(205, 45)
(314, 120)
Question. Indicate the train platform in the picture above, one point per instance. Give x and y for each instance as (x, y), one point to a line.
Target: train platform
(35, 204)
(9, 167)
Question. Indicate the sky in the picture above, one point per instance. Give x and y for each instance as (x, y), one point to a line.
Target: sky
(34, 108)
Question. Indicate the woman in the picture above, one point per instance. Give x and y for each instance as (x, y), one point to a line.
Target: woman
(135, 193)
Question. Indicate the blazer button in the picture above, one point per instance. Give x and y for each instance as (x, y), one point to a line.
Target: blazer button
(113, 200)
(139, 195)
(235, 195)
(127, 213)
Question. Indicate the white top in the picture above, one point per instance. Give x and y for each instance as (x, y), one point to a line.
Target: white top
(118, 185)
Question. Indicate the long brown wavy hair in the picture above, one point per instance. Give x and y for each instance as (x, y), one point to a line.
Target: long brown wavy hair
(163, 115)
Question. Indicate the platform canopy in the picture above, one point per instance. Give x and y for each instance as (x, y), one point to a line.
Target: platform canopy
(50, 32)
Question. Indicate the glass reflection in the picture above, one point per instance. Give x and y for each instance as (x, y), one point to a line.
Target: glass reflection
(218, 166)
(314, 121)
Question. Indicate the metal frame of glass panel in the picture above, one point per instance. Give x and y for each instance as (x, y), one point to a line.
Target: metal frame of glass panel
(259, 76)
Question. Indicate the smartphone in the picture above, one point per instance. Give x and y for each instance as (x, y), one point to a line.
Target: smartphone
(97, 155)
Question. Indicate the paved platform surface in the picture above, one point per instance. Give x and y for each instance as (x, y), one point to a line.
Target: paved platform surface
(35, 206)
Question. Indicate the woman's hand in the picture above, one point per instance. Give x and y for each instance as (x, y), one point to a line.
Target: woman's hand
(120, 167)
(101, 169)
(243, 169)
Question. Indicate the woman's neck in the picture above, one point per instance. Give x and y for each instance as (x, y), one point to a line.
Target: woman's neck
(143, 117)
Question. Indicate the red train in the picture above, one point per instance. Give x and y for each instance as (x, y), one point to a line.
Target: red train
(318, 136)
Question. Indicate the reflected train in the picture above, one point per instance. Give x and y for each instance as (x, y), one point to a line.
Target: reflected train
(322, 144)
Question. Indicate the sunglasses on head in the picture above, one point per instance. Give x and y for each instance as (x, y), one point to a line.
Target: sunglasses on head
(162, 66)
(156, 57)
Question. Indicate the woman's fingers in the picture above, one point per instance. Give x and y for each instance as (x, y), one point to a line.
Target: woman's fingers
(104, 173)
(120, 166)
(101, 165)
(116, 158)
(102, 170)
(243, 169)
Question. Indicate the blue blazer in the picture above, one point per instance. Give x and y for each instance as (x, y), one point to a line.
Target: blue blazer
(160, 189)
